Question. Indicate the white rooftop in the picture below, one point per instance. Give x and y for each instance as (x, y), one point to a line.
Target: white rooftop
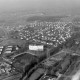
(0, 50)
(17, 48)
(7, 51)
(1, 46)
(9, 46)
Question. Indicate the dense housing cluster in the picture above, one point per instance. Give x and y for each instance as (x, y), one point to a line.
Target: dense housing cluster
(48, 33)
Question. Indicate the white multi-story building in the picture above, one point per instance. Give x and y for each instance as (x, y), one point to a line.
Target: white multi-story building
(36, 47)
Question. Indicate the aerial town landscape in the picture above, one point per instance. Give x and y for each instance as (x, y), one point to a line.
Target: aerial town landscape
(28, 51)
(40, 44)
